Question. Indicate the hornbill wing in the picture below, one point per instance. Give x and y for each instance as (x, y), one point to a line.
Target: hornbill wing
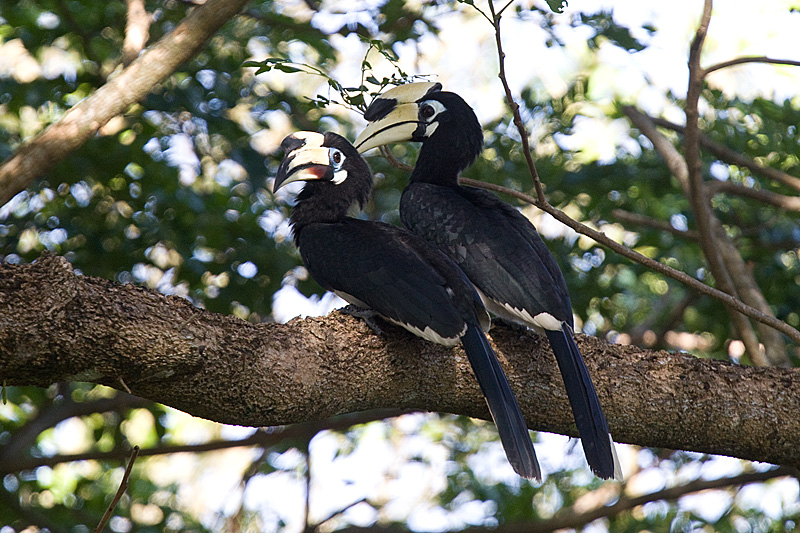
(406, 280)
(380, 266)
(495, 245)
(502, 254)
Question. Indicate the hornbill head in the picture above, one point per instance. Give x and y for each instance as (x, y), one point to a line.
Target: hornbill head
(328, 160)
(416, 112)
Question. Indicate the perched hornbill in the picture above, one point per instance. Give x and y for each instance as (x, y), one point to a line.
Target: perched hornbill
(393, 272)
(494, 244)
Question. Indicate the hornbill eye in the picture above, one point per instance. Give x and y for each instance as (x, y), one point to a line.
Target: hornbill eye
(336, 158)
(427, 111)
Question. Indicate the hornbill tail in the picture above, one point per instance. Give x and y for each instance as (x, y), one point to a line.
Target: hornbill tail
(503, 405)
(598, 446)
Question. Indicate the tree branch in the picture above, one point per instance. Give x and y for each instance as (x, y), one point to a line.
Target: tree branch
(570, 519)
(731, 156)
(56, 326)
(649, 222)
(789, 203)
(602, 238)
(750, 59)
(137, 31)
(260, 438)
(721, 246)
(526, 149)
(37, 155)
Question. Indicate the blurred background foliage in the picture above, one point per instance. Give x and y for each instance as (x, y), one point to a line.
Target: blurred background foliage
(175, 195)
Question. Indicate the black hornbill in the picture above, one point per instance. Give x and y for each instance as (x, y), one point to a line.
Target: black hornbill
(494, 244)
(393, 272)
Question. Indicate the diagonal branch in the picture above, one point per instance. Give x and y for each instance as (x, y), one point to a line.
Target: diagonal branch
(721, 247)
(724, 260)
(633, 255)
(733, 157)
(77, 125)
(789, 203)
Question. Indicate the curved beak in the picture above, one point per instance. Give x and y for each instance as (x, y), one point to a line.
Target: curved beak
(305, 159)
(397, 125)
(393, 116)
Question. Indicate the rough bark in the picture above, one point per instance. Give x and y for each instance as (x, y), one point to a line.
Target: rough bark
(57, 326)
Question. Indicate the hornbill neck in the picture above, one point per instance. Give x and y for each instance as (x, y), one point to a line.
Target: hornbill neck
(451, 148)
(324, 203)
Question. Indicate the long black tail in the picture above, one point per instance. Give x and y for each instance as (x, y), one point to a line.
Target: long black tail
(598, 445)
(502, 404)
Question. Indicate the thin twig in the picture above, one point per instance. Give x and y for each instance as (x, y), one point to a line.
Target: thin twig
(122, 488)
(642, 220)
(526, 149)
(633, 255)
(789, 203)
(259, 438)
(749, 59)
(570, 519)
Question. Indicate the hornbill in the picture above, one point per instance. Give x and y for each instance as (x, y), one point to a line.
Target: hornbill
(494, 244)
(393, 272)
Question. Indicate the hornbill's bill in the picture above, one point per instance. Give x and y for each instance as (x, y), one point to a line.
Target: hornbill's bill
(494, 244)
(393, 272)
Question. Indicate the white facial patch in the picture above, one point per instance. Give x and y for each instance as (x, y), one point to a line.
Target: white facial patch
(339, 176)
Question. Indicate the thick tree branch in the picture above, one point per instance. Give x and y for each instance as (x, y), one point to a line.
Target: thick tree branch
(37, 155)
(56, 326)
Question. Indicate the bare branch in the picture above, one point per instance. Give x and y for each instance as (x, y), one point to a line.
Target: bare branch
(526, 149)
(123, 486)
(733, 157)
(56, 326)
(720, 244)
(78, 124)
(570, 519)
(749, 59)
(137, 31)
(261, 438)
(649, 222)
(575, 520)
(789, 203)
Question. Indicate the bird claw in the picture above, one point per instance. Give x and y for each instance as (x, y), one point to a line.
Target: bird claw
(367, 315)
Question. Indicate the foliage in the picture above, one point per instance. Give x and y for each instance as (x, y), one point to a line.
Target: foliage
(176, 195)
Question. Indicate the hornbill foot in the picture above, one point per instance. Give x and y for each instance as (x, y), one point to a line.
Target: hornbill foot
(367, 315)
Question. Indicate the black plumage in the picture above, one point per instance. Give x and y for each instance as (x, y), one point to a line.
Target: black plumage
(498, 249)
(393, 272)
